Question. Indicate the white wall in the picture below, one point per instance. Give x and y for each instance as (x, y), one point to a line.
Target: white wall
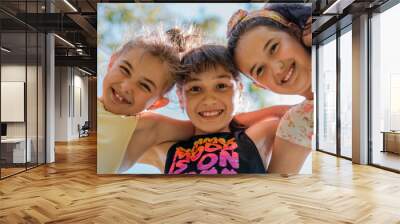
(70, 83)
(12, 101)
(13, 73)
(61, 103)
(79, 117)
(33, 126)
(16, 73)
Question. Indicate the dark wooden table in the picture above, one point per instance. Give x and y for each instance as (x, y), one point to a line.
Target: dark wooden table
(391, 141)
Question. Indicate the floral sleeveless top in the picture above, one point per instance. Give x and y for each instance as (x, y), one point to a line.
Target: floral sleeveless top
(297, 124)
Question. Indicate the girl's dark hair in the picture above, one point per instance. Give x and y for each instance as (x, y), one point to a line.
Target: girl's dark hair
(203, 58)
(295, 13)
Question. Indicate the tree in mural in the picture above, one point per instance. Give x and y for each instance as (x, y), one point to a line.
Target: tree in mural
(135, 17)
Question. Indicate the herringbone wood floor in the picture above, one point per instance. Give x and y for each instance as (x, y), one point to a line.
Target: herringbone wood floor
(69, 191)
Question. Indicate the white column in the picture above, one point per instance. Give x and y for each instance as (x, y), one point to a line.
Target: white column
(50, 100)
(50, 93)
(314, 85)
(360, 90)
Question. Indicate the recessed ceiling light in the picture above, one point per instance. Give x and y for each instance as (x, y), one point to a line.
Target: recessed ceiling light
(64, 40)
(71, 6)
(5, 49)
(338, 6)
(84, 71)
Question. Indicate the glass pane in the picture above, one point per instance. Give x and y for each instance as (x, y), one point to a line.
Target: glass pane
(31, 85)
(346, 94)
(327, 96)
(41, 98)
(31, 99)
(385, 89)
(22, 79)
(13, 86)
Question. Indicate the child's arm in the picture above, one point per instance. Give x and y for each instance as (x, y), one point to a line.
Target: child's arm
(287, 157)
(164, 129)
(154, 129)
(278, 155)
(293, 140)
(263, 134)
(151, 157)
(156, 155)
(250, 118)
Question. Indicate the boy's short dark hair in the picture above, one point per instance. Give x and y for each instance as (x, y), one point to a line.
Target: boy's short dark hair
(203, 58)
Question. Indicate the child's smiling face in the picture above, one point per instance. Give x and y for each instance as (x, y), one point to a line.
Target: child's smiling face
(208, 98)
(275, 60)
(134, 81)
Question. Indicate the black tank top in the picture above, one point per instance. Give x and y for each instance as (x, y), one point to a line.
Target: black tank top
(220, 153)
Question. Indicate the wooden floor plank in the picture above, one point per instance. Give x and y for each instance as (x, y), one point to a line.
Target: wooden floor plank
(70, 191)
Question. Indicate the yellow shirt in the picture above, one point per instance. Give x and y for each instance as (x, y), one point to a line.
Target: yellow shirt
(113, 135)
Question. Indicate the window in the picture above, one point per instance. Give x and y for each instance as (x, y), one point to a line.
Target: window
(346, 93)
(22, 65)
(385, 89)
(327, 95)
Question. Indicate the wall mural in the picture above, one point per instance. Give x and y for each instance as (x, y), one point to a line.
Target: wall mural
(204, 88)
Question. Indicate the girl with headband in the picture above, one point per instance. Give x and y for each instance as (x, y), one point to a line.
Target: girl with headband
(271, 46)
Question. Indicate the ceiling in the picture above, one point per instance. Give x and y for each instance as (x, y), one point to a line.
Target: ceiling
(75, 43)
(75, 21)
(332, 15)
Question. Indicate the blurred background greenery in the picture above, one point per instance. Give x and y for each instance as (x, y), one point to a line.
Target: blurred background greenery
(118, 21)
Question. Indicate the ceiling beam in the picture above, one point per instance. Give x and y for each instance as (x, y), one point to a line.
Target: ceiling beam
(86, 26)
(82, 61)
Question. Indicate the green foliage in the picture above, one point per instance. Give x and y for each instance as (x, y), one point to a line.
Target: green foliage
(257, 93)
(132, 17)
(116, 21)
(119, 14)
(209, 24)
